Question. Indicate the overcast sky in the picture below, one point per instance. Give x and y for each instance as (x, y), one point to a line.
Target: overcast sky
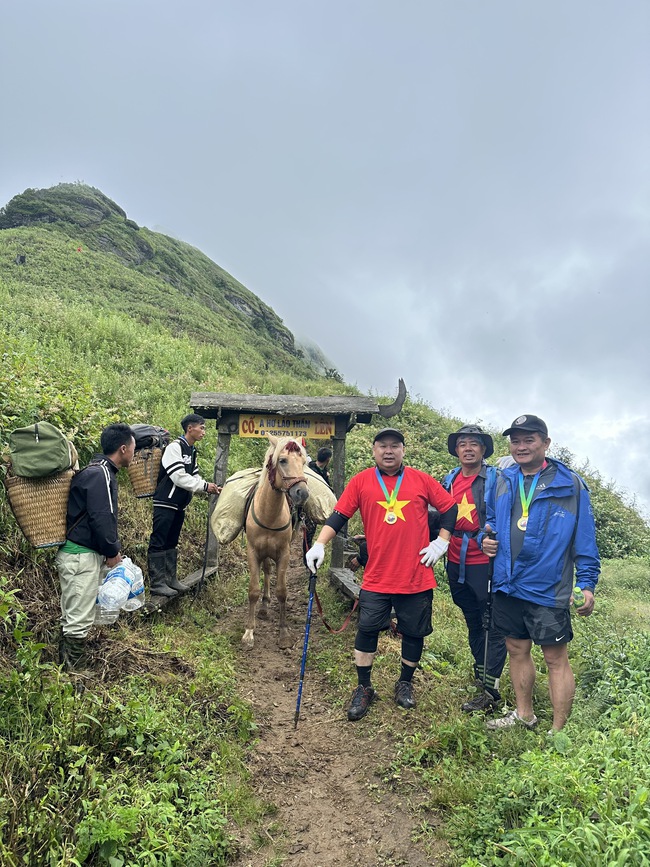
(451, 191)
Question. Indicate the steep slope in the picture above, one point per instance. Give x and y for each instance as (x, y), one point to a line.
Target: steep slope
(105, 320)
(109, 260)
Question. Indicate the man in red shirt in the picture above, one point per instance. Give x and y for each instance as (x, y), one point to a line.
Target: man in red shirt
(467, 565)
(393, 501)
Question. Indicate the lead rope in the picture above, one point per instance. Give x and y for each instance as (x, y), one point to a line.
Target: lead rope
(319, 607)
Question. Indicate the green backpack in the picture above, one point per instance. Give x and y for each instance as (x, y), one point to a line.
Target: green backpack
(38, 450)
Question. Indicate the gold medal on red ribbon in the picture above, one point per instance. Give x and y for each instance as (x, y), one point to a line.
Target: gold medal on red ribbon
(391, 517)
(522, 523)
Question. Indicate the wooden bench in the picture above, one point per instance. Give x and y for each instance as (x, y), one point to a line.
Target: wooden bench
(157, 603)
(344, 580)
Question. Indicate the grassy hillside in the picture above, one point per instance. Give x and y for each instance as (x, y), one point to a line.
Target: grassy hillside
(102, 321)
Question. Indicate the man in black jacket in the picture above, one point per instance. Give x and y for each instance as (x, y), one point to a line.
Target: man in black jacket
(178, 480)
(91, 540)
(323, 457)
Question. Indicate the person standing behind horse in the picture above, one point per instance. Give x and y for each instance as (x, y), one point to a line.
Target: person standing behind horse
(467, 565)
(178, 481)
(91, 540)
(323, 457)
(393, 501)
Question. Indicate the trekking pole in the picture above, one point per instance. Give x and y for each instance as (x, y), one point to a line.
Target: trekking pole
(487, 616)
(312, 592)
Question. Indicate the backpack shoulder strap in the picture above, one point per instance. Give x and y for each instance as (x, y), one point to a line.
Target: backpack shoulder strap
(448, 480)
(491, 479)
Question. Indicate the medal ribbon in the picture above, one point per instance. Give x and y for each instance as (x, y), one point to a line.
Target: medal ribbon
(526, 500)
(391, 499)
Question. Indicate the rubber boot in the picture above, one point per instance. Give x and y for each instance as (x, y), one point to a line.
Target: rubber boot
(72, 654)
(171, 561)
(158, 575)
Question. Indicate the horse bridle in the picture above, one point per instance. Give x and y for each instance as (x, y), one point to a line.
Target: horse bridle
(294, 480)
(283, 489)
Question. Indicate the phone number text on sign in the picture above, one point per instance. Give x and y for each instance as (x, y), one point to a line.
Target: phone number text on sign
(321, 427)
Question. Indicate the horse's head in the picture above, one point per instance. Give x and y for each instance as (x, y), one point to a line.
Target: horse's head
(285, 461)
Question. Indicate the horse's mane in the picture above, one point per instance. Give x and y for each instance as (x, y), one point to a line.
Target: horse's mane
(273, 453)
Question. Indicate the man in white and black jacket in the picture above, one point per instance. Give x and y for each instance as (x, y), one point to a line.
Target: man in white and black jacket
(178, 480)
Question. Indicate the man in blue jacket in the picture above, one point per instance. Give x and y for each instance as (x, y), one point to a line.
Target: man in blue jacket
(541, 512)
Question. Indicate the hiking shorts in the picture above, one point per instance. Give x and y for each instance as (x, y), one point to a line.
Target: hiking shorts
(516, 618)
(413, 612)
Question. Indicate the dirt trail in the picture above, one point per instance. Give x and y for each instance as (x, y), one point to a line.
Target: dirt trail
(332, 807)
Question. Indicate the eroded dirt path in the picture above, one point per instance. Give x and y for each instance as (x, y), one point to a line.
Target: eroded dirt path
(332, 806)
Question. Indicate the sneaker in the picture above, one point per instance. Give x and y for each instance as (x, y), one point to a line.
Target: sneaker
(362, 698)
(485, 702)
(509, 720)
(404, 694)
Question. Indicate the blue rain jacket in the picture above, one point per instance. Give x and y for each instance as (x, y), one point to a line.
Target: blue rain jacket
(560, 536)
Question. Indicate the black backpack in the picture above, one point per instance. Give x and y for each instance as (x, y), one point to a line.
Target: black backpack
(149, 436)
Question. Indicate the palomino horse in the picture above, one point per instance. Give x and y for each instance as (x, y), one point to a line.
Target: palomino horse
(268, 529)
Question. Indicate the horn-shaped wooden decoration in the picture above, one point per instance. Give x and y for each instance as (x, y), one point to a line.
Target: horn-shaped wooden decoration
(388, 410)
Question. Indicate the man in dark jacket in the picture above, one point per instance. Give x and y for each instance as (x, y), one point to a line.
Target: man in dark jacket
(467, 565)
(91, 540)
(320, 465)
(323, 457)
(541, 512)
(178, 481)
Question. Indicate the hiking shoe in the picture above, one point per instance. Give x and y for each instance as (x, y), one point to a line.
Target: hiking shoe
(484, 702)
(509, 720)
(362, 698)
(404, 694)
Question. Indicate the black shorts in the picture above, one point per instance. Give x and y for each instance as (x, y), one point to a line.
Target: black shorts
(413, 611)
(516, 618)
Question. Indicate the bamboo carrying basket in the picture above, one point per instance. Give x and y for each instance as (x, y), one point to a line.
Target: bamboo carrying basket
(40, 506)
(143, 471)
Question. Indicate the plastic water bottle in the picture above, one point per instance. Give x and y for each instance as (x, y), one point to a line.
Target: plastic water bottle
(135, 598)
(105, 616)
(578, 597)
(113, 593)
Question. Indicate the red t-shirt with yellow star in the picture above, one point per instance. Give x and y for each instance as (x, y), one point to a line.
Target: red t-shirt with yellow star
(393, 549)
(467, 520)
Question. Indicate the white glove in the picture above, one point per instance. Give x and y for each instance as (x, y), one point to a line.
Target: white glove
(434, 551)
(315, 556)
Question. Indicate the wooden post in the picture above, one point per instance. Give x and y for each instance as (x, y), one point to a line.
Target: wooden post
(338, 480)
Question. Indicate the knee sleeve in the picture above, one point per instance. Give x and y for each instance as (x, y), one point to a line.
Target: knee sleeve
(412, 648)
(366, 642)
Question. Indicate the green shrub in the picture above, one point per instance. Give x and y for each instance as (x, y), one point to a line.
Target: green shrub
(584, 804)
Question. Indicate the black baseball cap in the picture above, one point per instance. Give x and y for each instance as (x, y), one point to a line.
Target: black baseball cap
(389, 432)
(471, 430)
(532, 423)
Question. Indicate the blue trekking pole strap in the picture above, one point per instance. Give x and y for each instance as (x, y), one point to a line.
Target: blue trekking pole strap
(303, 663)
